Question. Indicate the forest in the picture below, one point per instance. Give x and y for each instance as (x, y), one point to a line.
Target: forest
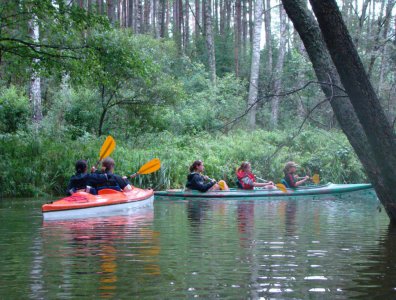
(220, 80)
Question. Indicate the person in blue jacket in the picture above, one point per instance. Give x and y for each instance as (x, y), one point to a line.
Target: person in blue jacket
(199, 182)
(82, 181)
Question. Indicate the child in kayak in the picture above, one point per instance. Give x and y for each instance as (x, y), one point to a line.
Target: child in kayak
(199, 182)
(247, 180)
(82, 181)
(290, 179)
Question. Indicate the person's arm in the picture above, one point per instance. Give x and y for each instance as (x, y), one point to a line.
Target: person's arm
(69, 187)
(121, 181)
(302, 180)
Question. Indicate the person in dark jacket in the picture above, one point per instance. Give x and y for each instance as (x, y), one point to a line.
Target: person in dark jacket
(199, 182)
(114, 181)
(291, 178)
(82, 181)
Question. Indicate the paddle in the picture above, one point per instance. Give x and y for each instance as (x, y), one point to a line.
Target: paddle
(106, 149)
(263, 180)
(148, 168)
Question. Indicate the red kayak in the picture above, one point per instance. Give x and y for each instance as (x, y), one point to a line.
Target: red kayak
(107, 202)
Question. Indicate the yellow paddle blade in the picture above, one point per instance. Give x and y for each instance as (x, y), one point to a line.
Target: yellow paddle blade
(107, 147)
(150, 167)
(316, 178)
(281, 187)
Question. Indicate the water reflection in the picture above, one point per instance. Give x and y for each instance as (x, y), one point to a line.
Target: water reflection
(377, 279)
(240, 249)
(245, 220)
(98, 249)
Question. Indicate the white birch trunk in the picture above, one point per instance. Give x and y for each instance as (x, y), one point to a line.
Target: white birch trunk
(35, 80)
(255, 67)
(279, 68)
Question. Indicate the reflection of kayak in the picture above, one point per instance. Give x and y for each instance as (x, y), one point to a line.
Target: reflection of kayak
(108, 202)
(326, 189)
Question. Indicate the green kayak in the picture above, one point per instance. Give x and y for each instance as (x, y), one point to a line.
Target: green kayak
(326, 189)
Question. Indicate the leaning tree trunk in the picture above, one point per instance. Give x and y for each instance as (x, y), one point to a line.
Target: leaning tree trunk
(35, 80)
(255, 67)
(309, 31)
(210, 42)
(279, 69)
(364, 100)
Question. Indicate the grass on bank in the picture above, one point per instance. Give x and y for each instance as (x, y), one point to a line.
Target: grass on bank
(41, 165)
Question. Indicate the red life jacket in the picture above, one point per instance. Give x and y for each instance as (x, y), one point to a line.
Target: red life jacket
(246, 180)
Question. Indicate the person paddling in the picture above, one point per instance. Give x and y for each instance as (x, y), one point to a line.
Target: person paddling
(199, 182)
(247, 180)
(291, 176)
(82, 181)
(114, 181)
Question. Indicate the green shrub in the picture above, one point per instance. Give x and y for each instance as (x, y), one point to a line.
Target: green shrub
(14, 110)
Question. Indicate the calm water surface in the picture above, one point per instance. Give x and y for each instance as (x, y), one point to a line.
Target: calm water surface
(339, 248)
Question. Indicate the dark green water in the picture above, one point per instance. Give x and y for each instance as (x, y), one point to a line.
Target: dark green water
(340, 248)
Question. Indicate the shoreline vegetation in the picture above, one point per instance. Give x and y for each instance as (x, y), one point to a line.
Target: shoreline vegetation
(41, 165)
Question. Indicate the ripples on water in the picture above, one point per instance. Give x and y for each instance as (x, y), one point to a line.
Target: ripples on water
(339, 248)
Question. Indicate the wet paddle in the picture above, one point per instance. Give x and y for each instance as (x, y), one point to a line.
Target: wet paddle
(106, 149)
(148, 168)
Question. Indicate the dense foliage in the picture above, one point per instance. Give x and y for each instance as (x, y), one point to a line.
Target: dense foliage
(39, 165)
(155, 96)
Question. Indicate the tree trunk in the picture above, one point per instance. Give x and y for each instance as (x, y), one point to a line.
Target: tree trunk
(187, 26)
(111, 11)
(255, 67)
(166, 9)
(279, 68)
(130, 14)
(244, 28)
(228, 14)
(237, 34)
(146, 22)
(379, 133)
(210, 42)
(197, 30)
(268, 43)
(222, 18)
(162, 18)
(362, 18)
(382, 50)
(251, 27)
(373, 49)
(35, 80)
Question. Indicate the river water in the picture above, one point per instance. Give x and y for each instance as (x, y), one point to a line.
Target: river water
(303, 248)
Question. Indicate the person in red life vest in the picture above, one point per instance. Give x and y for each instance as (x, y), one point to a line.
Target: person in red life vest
(291, 178)
(199, 182)
(247, 180)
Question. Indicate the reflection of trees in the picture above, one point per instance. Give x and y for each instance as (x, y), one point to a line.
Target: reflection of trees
(377, 279)
(95, 256)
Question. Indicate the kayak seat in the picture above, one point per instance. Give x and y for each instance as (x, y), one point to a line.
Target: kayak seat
(107, 191)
